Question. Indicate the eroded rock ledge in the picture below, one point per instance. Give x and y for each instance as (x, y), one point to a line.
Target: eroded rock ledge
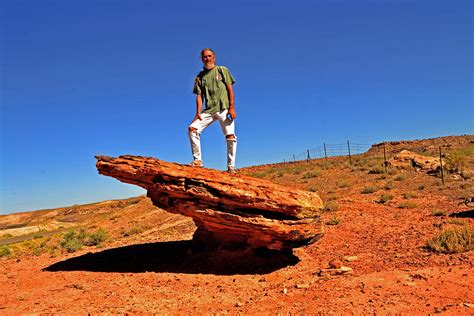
(227, 209)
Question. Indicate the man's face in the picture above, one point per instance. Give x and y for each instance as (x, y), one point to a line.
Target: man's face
(208, 59)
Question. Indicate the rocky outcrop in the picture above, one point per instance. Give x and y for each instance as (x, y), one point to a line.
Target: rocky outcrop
(406, 158)
(229, 209)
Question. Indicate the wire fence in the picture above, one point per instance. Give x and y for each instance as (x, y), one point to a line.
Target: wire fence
(349, 149)
(330, 150)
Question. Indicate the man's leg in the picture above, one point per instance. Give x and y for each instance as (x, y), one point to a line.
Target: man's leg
(194, 131)
(228, 128)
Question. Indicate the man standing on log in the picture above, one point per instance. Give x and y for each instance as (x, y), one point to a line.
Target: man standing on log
(214, 86)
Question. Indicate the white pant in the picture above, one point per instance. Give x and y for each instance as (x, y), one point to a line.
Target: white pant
(227, 126)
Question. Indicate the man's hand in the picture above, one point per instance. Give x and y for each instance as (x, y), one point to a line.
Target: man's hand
(232, 113)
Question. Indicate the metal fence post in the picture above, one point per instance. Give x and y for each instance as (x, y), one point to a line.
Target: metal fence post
(441, 163)
(308, 155)
(349, 151)
(385, 163)
(325, 153)
(294, 158)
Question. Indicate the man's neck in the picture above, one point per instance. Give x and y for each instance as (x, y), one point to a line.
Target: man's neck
(210, 67)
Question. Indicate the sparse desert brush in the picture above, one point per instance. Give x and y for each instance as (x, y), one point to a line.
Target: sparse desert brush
(388, 186)
(312, 174)
(6, 236)
(453, 240)
(377, 170)
(385, 197)
(325, 165)
(407, 204)
(392, 172)
(439, 212)
(455, 162)
(400, 177)
(421, 187)
(408, 195)
(333, 221)
(4, 251)
(456, 221)
(330, 206)
(343, 185)
(134, 230)
(260, 174)
(313, 189)
(369, 189)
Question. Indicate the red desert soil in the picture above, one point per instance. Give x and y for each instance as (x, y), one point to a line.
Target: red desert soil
(148, 265)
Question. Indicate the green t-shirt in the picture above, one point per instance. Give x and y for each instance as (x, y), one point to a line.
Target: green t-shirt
(211, 85)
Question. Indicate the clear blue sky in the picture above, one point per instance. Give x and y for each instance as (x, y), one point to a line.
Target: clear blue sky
(81, 78)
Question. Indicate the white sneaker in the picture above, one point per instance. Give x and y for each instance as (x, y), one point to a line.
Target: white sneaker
(196, 163)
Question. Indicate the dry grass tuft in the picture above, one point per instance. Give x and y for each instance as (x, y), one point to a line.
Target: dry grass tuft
(453, 240)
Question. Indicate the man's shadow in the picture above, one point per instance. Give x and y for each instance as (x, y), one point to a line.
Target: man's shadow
(179, 257)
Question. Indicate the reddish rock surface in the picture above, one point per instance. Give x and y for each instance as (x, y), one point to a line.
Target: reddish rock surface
(227, 209)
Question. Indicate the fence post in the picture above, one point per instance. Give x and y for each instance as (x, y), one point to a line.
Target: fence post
(441, 163)
(385, 163)
(294, 158)
(325, 153)
(308, 156)
(349, 151)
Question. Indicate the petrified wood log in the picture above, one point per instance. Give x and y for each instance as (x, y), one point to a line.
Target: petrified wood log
(229, 209)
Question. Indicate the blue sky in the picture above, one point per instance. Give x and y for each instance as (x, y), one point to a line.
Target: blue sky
(81, 78)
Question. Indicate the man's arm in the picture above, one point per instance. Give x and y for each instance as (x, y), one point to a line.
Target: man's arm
(230, 94)
(198, 107)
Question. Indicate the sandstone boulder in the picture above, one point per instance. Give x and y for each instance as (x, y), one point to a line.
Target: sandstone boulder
(228, 209)
(407, 158)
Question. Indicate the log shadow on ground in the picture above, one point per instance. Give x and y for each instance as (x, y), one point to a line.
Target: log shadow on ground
(178, 257)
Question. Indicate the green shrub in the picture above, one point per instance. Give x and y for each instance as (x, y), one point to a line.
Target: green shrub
(4, 251)
(72, 241)
(384, 198)
(453, 240)
(330, 206)
(96, 238)
(369, 189)
(388, 186)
